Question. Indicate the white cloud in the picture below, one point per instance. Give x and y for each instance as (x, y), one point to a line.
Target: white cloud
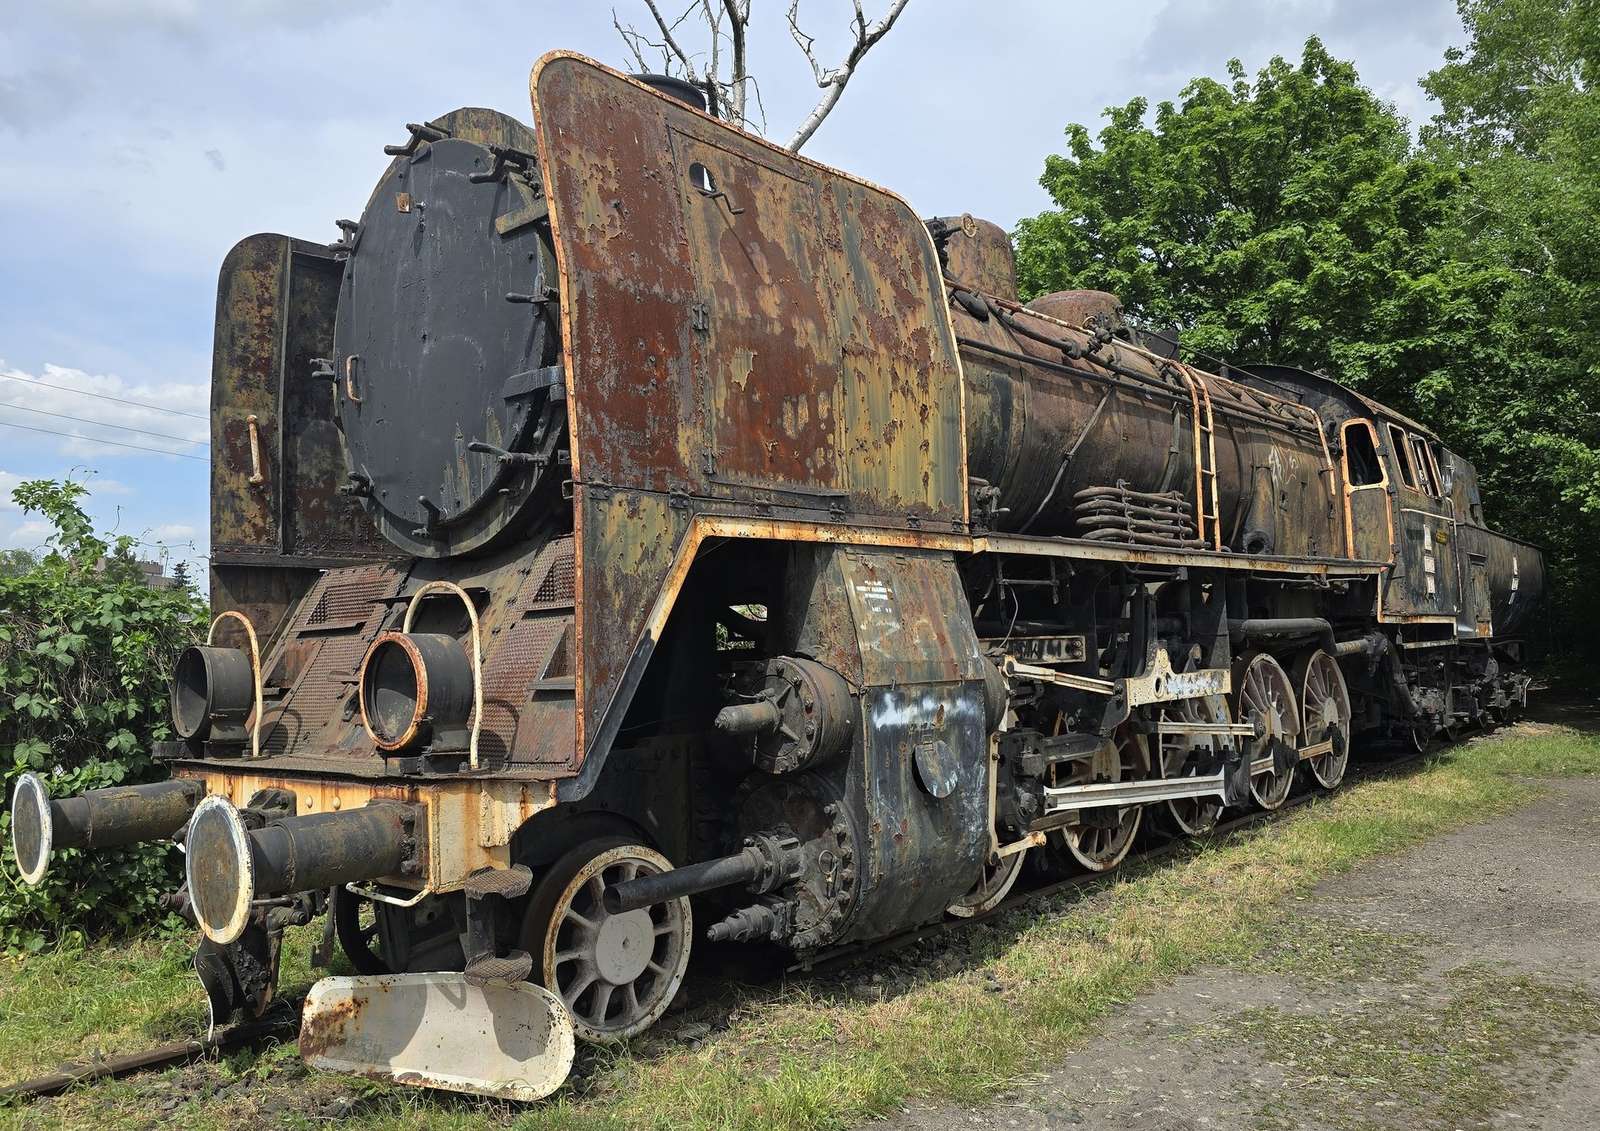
(56, 401)
(30, 535)
(98, 486)
(8, 480)
(174, 532)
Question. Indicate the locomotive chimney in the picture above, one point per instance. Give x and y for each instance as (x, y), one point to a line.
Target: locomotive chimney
(689, 93)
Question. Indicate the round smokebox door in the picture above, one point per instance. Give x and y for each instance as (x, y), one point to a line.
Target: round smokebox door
(430, 356)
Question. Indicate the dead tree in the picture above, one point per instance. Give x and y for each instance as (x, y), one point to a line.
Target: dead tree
(723, 68)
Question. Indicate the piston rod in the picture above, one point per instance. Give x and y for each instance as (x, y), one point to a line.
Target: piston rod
(764, 863)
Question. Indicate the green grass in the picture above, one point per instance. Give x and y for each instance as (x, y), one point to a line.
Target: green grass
(821, 1052)
(1492, 1040)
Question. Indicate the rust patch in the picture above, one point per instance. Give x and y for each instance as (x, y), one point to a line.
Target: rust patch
(741, 324)
(328, 1028)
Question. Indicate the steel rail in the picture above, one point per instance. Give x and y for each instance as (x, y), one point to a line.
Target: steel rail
(157, 1056)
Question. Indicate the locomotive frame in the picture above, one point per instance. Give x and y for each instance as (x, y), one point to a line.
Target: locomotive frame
(781, 559)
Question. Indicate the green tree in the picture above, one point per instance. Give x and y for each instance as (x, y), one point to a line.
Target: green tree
(85, 652)
(14, 563)
(1292, 219)
(1285, 219)
(1519, 112)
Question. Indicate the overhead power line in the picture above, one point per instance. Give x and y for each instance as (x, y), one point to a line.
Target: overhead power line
(106, 424)
(113, 443)
(103, 396)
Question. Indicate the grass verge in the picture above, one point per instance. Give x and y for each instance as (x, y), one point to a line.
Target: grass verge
(820, 1052)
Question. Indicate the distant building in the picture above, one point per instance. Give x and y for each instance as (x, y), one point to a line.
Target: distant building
(155, 575)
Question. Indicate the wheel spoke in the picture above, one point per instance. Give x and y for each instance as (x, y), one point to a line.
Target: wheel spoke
(594, 963)
(601, 1002)
(572, 993)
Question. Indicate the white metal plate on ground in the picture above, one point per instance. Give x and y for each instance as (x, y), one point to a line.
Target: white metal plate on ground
(436, 1031)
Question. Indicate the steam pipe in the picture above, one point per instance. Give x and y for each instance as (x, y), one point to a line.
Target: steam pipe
(1281, 626)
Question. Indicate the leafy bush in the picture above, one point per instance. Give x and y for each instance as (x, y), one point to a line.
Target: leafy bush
(86, 648)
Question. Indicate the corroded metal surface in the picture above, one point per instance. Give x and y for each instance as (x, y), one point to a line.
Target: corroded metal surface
(923, 762)
(311, 670)
(277, 459)
(468, 822)
(279, 504)
(739, 323)
(978, 253)
(512, 1042)
(1044, 426)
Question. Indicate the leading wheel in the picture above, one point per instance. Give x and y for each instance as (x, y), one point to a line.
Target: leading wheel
(1324, 715)
(995, 882)
(616, 973)
(1263, 696)
(355, 924)
(1103, 837)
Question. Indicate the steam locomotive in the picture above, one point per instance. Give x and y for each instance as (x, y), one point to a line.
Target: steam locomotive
(628, 525)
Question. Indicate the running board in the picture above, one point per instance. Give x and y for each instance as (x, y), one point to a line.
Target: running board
(508, 1041)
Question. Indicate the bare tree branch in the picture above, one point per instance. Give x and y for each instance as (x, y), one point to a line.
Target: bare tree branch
(714, 71)
(631, 38)
(833, 82)
(738, 21)
(801, 40)
(761, 108)
(731, 18)
(685, 60)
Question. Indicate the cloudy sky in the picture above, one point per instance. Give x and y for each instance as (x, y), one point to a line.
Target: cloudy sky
(142, 138)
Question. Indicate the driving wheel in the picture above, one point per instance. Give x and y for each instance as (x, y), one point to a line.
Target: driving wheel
(1324, 716)
(1264, 697)
(616, 973)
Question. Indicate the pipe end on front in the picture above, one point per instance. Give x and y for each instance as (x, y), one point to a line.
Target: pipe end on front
(220, 870)
(32, 828)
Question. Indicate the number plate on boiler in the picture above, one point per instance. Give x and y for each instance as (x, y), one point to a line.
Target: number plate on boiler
(1047, 649)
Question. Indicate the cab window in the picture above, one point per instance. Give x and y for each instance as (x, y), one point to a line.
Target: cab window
(1402, 456)
(1361, 455)
(1427, 472)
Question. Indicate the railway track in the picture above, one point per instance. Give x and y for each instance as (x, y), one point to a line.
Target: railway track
(284, 1019)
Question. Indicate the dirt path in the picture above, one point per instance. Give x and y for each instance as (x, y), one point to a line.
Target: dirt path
(1456, 986)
